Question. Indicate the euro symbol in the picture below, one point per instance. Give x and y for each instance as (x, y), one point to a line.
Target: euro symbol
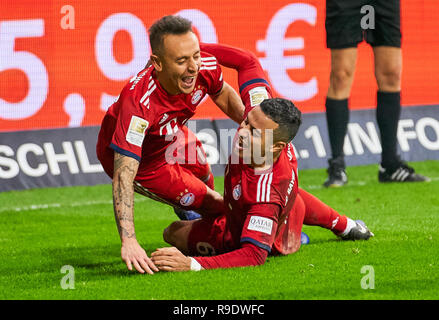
(274, 45)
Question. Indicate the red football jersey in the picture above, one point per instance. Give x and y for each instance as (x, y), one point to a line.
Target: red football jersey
(244, 188)
(143, 122)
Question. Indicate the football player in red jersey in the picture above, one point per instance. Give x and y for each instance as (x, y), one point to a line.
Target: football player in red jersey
(264, 210)
(142, 124)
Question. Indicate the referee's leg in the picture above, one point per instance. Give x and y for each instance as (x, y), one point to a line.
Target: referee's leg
(343, 62)
(388, 68)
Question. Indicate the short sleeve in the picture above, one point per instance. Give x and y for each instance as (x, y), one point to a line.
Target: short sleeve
(131, 126)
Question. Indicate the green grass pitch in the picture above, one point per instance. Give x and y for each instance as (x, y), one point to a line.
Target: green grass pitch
(43, 230)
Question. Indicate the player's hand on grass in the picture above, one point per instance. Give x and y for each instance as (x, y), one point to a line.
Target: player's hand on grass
(133, 254)
(171, 259)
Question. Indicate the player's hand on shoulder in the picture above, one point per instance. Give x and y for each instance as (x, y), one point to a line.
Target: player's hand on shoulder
(171, 259)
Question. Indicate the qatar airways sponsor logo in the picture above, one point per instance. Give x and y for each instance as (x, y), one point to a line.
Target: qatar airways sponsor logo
(260, 224)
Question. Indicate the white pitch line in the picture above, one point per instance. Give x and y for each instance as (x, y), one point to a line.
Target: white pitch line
(43, 206)
(320, 186)
(352, 183)
(60, 205)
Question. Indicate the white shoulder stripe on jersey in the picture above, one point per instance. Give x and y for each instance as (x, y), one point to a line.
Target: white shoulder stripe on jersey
(267, 198)
(258, 189)
(264, 187)
(208, 59)
(145, 99)
(208, 63)
(207, 68)
(152, 89)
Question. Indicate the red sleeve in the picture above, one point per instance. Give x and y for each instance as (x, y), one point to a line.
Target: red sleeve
(211, 71)
(245, 62)
(253, 86)
(257, 238)
(260, 225)
(131, 125)
(247, 255)
(231, 57)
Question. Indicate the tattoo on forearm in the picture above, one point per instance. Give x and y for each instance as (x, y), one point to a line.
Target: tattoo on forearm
(123, 195)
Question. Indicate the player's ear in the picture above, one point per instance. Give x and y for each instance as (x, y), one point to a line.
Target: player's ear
(278, 146)
(156, 62)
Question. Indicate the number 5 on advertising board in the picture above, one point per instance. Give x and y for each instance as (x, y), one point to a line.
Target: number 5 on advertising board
(25, 61)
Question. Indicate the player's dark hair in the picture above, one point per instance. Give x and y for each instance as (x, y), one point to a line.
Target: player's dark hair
(286, 115)
(167, 25)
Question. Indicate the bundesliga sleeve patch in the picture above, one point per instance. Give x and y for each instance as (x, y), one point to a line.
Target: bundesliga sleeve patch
(260, 224)
(136, 131)
(257, 95)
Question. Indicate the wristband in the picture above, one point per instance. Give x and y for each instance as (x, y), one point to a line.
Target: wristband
(195, 266)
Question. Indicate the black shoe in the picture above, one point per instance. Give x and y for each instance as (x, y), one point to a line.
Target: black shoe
(359, 232)
(400, 173)
(337, 176)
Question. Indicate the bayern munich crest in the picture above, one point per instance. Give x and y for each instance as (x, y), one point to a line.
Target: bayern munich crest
(237, 191)
(187, 199)
(197, 96)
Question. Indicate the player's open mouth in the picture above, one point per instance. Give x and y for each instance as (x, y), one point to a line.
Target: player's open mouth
(187, 82)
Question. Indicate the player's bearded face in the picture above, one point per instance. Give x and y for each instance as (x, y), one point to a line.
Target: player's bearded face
(181, 61)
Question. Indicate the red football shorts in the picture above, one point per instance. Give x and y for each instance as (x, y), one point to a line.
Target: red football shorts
(181, 184)
(207, 236)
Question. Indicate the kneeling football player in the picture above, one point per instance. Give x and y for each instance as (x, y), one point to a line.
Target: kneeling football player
(264, 210)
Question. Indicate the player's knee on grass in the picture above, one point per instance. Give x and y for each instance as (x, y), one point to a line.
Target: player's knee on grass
(176, 234)
(212, 205)
(167, 234)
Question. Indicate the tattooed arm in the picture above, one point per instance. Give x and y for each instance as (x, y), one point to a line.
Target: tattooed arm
(125, 170)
